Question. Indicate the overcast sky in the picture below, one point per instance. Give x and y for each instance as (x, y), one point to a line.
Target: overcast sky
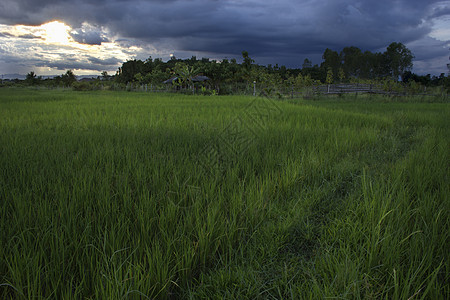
(93, 36)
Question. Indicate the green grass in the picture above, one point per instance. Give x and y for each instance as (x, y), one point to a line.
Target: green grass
(133, 195)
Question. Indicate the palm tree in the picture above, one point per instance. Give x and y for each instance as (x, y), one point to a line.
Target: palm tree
(69, 78)
(185, 73)
(31, 78)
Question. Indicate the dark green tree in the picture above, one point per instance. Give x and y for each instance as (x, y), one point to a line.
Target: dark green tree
(129, 69)
(315, 73)
(367, 65)
(105, 76)
(399, 59)
(156, 76)
(246, 70)
(331, 60)
(218, 72)
(352, 61)
(380, 65)
(247, 63)
(68, 78)
(306, 64)
(31, 78)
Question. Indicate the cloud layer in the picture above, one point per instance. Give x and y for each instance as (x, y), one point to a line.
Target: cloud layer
(282, 31)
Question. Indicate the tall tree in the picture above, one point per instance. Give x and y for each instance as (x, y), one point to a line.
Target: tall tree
(105, 76)
(307, 64)
(129, 69)
(247, 66)
(380, 65)
(399, 59)
(367, 65)
(331, 60)
(31, 78)
(247, 63)
(68, 78)
(352, 61)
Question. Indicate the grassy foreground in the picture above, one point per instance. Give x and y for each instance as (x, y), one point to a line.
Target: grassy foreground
(127, 195)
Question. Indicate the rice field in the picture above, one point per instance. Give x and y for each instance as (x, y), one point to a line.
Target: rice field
(116, 195)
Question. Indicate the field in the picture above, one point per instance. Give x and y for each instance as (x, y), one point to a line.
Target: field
(109, 195)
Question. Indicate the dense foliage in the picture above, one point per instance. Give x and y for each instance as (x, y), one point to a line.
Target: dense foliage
(350, 64)
(229, 76)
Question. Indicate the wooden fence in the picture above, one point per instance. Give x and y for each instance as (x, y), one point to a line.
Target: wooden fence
(350, 89)
(283, 91)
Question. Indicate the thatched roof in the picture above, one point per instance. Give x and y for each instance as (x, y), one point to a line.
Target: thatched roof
(86, 79)
(200, 78)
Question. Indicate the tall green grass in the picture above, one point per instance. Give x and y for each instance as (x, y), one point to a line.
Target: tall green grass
(111, 195)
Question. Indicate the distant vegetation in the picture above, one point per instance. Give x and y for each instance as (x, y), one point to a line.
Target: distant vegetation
(351, 65)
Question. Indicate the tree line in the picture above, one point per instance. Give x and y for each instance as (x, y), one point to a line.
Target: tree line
(349, 65)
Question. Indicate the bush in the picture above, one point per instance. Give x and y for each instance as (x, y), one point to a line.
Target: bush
(81, 86)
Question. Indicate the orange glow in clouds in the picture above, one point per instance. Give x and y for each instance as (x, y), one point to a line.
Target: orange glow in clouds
(56, 32)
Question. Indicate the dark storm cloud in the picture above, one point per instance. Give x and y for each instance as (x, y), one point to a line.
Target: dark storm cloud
(428, 48)
(70, 64)
(440, 11)
(104, 62)
(29, 36)
(6, 34)
(289, 30)
(22, 36)
(90, 36)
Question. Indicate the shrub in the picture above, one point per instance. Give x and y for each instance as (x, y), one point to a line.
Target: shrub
(81, 86)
